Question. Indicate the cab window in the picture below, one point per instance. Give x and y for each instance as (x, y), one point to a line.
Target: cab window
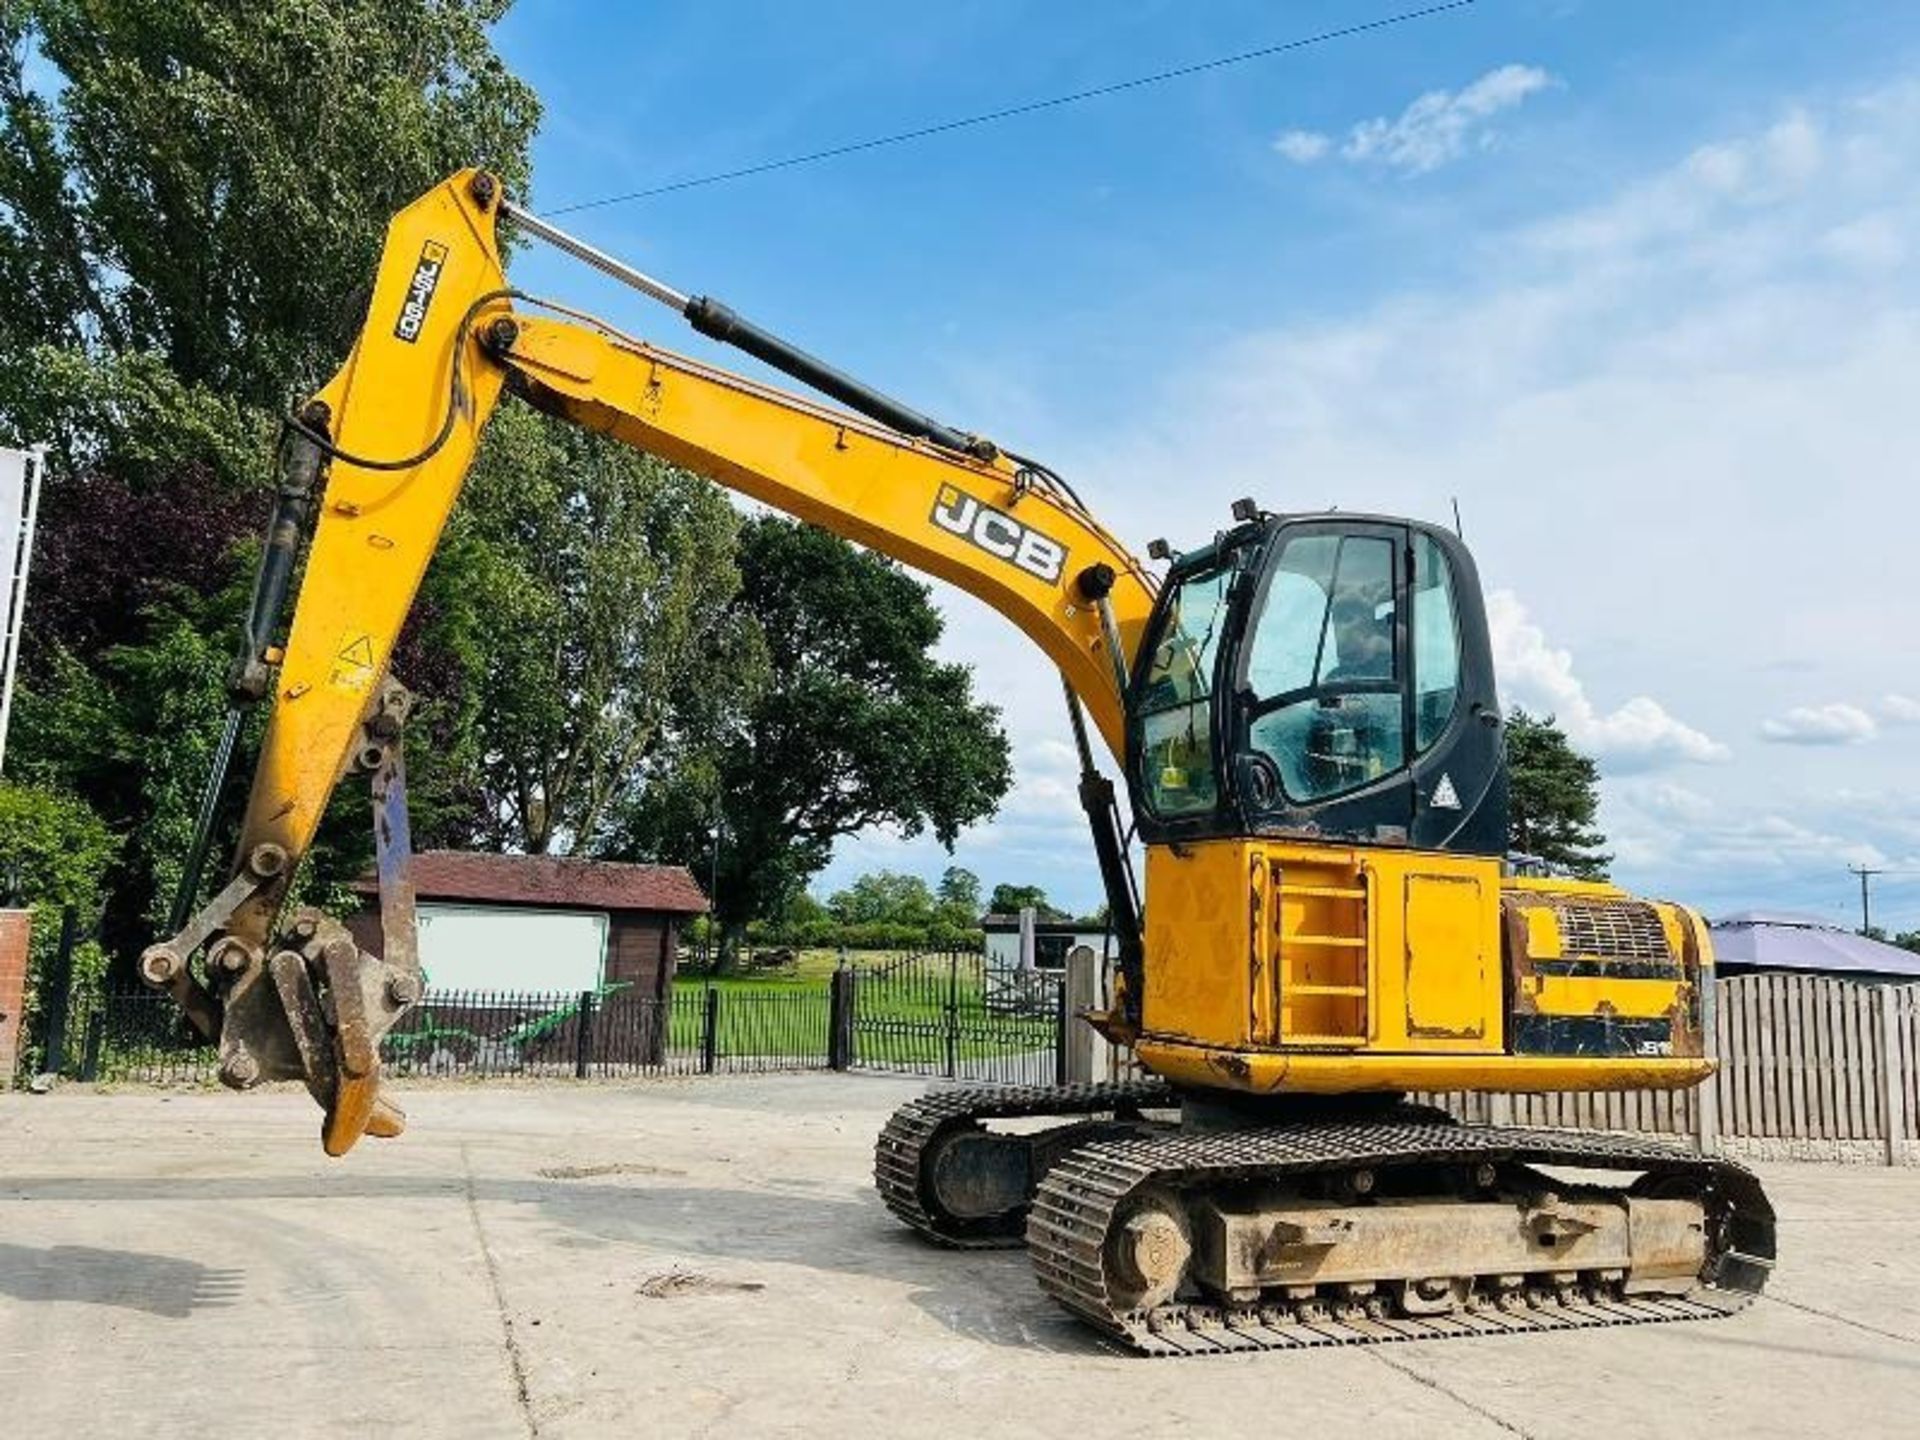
(1324, 667)
(1175, 699)
(1436, 644)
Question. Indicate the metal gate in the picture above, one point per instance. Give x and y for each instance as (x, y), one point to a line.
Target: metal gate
(955, 1015)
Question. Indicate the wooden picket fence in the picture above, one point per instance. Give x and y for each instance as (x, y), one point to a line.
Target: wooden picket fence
(1810, 1067)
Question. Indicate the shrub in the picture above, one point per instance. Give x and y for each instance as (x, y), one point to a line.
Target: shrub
(54, 853)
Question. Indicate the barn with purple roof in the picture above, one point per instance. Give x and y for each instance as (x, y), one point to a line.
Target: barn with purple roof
(1760, 942)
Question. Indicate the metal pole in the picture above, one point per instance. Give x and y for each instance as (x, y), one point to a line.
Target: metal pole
(953, 1013)
(713, 900)
(18, 590)
(840, 1020)
(96, 1035)
(1866, 903)
(60, 995)
(710, 1033)
(187, 893)
(583, 1036)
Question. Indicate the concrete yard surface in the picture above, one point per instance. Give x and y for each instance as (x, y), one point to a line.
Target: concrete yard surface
(707, 1257)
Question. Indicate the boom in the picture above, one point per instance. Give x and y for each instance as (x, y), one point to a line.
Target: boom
(394, 433)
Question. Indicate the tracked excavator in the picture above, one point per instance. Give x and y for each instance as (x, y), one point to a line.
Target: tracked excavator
(1303, 710)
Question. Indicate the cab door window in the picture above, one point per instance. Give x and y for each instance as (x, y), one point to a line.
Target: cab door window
(1174, 701)
(1324, 667)
(1436, 644)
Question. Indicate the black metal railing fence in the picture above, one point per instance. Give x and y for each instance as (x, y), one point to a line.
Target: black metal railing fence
(936, 1015)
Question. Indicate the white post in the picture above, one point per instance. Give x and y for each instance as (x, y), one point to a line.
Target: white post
(1027, 919)
(1706, 1095)
(1083, 993)
(18, 566)
(1893, 1090)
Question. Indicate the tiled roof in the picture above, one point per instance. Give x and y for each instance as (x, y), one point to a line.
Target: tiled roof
(560, 882)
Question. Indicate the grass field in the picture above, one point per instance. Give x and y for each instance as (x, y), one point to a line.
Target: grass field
(811, 968)
(904, 1015)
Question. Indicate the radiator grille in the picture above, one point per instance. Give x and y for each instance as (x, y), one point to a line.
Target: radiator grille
(1625, 929)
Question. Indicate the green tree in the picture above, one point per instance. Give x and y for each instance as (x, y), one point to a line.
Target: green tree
(54, 853)
(858, 726)
(192, 198)
(209, 180)
(1554, 797)
(1012, 899)
(588, 592)
(884, 897)
(959, 895)
(128, 729)
(960, 887)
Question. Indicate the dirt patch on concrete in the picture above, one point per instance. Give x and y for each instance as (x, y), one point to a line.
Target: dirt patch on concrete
(595, 1172)
(678, 1284)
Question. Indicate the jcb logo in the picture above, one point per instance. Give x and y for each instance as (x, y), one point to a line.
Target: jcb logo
(426, 279)
(998, 534)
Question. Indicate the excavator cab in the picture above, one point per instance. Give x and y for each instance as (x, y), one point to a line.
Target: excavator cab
(1324, 677)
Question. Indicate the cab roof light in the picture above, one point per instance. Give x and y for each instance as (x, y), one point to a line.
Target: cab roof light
(1244, 511)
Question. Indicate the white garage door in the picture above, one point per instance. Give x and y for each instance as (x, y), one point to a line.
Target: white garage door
(479, 947)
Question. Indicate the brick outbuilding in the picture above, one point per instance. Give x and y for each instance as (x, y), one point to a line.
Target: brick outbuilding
(543, 922)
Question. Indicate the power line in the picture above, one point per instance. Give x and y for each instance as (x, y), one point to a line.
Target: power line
(902, 137)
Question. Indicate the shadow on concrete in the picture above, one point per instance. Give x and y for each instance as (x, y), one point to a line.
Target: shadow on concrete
(985, 1295)
(1859, 1356)
(158, 1284)
(988, 1295)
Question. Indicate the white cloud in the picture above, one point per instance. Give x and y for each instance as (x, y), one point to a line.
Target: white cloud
(1900, 710)
(1833, 724)
(1303, 147)
(1712, 193)
(1630, 400)
(1787, 850)
(1441, 125)
(1638, 735)
(1872, 242)
(1436, 129)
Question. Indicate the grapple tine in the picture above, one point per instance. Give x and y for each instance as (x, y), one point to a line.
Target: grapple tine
(354, 1102)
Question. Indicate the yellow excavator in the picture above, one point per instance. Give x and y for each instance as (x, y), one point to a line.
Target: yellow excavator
(1304, 711)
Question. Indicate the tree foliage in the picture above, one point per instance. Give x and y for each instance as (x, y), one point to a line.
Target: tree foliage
(587, 591)
(192, 197)
(207, 181)
(880, 910)
(883, 895)
(54, 853)
(1012, 899)
(859, 725)
(1554, 798)
(960, 888)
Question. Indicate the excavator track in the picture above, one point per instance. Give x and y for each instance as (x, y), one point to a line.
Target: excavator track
(1088, 1193)
(917, 1127)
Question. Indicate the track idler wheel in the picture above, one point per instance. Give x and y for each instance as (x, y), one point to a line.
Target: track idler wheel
(1148, 1254)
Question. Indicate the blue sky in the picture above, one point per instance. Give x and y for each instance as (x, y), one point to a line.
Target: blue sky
(1638, 283)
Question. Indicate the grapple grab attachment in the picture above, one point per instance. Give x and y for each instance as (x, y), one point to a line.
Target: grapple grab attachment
(303, 1001)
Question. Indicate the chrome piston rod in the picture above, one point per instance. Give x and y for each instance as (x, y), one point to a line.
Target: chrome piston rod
(720, 322)
(599, 259)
